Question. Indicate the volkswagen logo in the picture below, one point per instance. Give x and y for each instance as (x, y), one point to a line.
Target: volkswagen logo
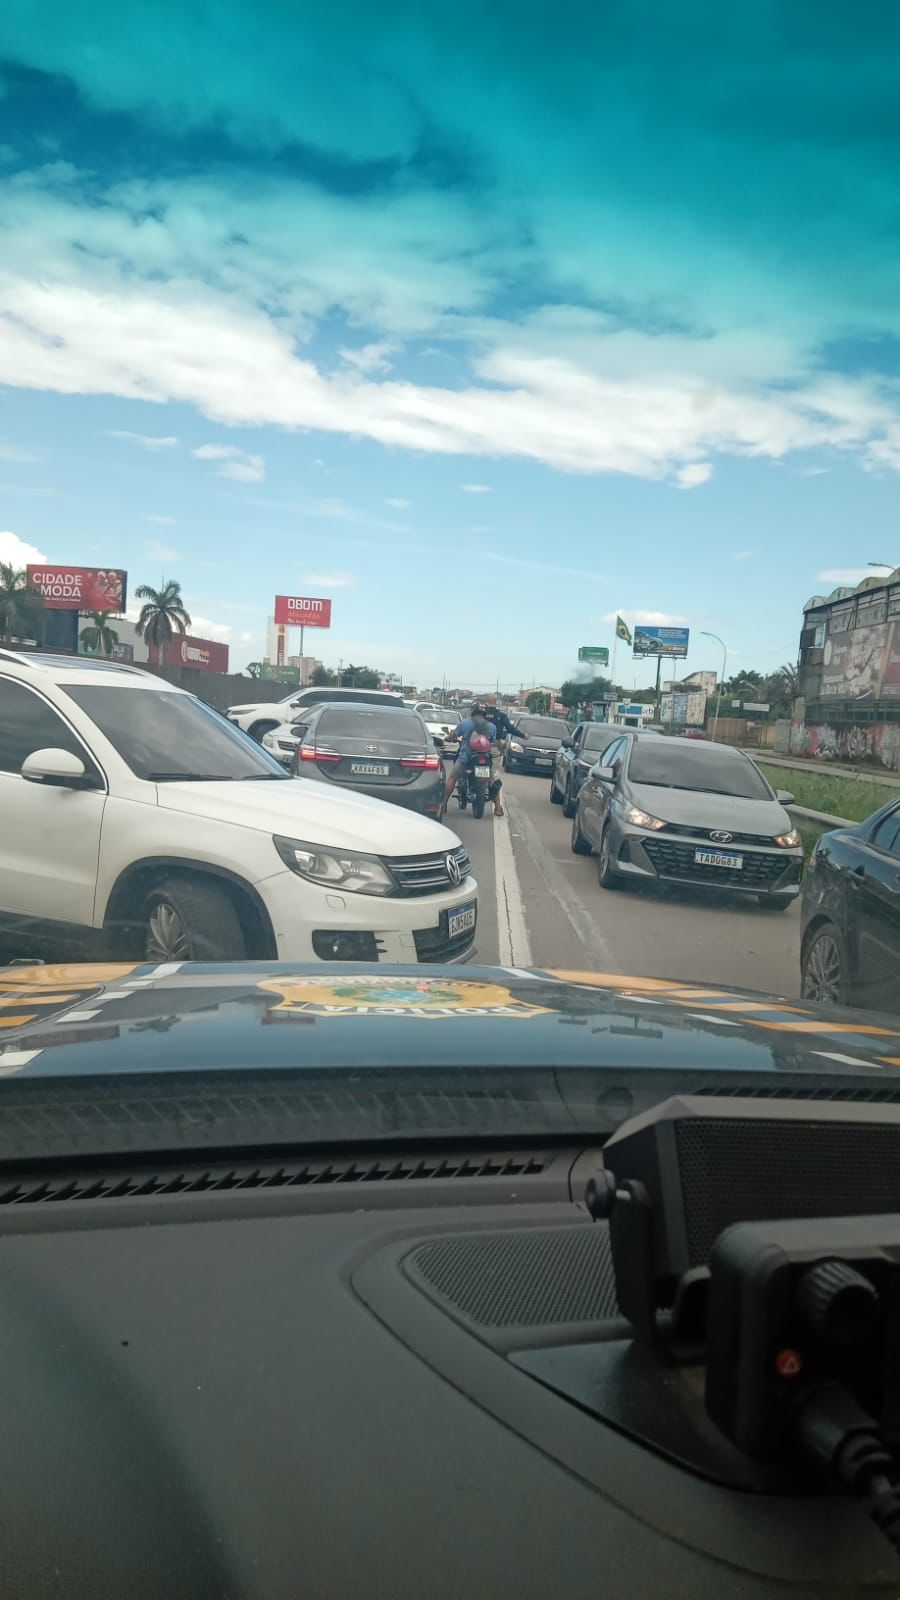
(454, 870)
(720, 837)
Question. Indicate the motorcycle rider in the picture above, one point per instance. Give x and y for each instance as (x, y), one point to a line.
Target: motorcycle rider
(475, 722)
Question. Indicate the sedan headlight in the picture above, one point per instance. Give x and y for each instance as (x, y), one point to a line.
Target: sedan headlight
(641, 819)
(788, 841)
(337, 869)
(514, 745)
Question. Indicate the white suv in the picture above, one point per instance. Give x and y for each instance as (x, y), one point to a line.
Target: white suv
(136, 822)
(261, 717)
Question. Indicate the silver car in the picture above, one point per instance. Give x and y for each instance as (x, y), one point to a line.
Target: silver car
(678, 811)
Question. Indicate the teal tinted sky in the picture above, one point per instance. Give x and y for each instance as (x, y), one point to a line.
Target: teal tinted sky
(489, 321)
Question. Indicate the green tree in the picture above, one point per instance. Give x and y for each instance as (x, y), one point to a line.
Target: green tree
(576, 691)
(21, 605)
(323, 678)
(253, 669)
(360, 677)
(163, 613)
(538, 702)
(98, 638)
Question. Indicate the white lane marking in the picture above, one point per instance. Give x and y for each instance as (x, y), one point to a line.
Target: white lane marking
(583, 924)
(707, 1016)
(12, 1060)
(80, 1016)
(167, 968)
(514, 943)
(848, 1061)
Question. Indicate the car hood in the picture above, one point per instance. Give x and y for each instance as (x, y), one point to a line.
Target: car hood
(302, 810)
(695, 807)
(256, 705)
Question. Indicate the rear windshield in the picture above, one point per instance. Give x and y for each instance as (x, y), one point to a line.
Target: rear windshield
(597, 738)
(363, 723)
(543, 727)
(713, 769)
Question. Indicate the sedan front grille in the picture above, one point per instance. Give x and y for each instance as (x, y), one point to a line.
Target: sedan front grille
(759, 871)
(687, 832)
(428, 874)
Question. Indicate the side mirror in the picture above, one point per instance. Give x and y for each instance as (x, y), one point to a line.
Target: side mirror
(57, 768)
(299, 729)
(784, 797)
(606, 774)
(567, 743)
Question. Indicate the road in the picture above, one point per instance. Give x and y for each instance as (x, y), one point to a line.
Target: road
(540, 905)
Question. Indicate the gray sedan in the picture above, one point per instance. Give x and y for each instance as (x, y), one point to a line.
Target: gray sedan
(676, 811)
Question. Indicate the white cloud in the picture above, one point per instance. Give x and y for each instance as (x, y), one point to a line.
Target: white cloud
(399, 505)
(245, 638)
(234, 463)
(325, 581)
(15, 452)
(154, 551)
(745, 555)
(812, 472)
(17, 552)
(657, 619)
(476, 488)
(368, 357)
(695, 473)
(206, 628)
(540, 566)
(848, 577)
(147, 441)
(163, 522)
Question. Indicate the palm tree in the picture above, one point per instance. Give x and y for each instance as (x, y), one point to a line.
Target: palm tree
(98, 638)
(20, 605)
(163, 613)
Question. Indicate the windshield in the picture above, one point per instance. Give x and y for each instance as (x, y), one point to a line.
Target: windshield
(542, 727)
(167, 738)
(714, 771)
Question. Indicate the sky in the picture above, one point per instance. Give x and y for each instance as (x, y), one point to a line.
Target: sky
(488, 321)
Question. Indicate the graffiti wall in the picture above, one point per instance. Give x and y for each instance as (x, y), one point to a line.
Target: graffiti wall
(876, 742)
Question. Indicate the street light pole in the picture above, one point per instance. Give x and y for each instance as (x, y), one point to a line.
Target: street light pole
(722, 684)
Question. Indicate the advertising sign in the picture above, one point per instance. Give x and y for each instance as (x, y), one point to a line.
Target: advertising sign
(299, 611)
(594, 652)
(185, 651)
(862, 663)
(653, 641)
(80, 588)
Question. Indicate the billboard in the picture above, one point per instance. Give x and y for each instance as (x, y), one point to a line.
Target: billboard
(208, 655)
(654, 641)
(299, 611)
(862, 664)
(80, 588)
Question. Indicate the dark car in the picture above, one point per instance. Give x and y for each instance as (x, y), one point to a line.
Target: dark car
(383, 751)
(850, 946)
(576, 755)
(677, 811)
(533, 747)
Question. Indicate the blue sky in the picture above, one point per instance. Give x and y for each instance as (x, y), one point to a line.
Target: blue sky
(490, 322)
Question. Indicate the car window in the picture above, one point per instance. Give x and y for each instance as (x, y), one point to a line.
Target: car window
(166, 737)
(707, 769)
(27, 724)
(612, 753)
(887, 834)
(371, 723)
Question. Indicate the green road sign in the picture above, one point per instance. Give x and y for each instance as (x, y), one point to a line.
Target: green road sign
(594, 652)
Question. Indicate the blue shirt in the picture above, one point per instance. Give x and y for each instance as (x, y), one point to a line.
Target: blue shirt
(465, 730)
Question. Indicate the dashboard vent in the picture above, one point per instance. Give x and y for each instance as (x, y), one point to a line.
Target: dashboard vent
(373, 1168)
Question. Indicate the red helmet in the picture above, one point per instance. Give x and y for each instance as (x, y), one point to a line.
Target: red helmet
(480, 742)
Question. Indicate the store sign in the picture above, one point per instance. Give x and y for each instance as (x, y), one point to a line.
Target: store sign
(207, 655)
(301, 611)
(80, 588)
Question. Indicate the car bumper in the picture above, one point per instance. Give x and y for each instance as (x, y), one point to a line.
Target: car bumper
(423, 798)
(409, 928)
(530, 763)
(282, 753)
(642, 853)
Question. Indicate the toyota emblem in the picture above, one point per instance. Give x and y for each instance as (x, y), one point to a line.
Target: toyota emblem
(371, 749)
(454, 870)
(722, 838)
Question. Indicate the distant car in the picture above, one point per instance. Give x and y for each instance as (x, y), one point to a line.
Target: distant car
(679, 812)
(533, 746)
(261, 717)
(382, 751)
(576, 755)
(438, 720)
(692, 733)
(850, 944)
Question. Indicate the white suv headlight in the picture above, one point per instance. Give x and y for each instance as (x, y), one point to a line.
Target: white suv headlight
(339, 869)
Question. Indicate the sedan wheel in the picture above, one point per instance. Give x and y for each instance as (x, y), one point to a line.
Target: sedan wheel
(580, 845)
(607, 876)
(555, 796)
(568, 802)
(824, 969)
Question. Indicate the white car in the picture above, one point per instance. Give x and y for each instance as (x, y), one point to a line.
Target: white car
(135, 822)
(261, 717)
(438, 720)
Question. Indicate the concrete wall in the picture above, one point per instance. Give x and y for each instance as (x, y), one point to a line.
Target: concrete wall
(221, 689)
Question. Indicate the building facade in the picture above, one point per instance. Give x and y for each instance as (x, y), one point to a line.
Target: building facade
(848, 707)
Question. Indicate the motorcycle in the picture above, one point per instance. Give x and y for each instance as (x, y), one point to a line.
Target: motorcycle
(475, 781)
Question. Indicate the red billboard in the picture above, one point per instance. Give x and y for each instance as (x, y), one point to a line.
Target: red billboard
(299, 611)
(80, 588)
(208, 655)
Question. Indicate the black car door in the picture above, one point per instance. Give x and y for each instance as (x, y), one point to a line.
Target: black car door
(874, 889)
(567, 755)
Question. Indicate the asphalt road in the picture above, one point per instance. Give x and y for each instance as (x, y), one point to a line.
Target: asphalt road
(540, 905)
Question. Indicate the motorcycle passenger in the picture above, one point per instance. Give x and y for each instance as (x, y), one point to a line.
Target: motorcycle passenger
(475, 723)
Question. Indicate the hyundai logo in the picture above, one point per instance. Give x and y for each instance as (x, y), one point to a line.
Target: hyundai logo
(454, 870)
(721, 838)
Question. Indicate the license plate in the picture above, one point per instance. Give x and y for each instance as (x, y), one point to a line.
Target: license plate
(543, 761)
(483, 772)
(717, 858)
(460, 921)
(368, 769)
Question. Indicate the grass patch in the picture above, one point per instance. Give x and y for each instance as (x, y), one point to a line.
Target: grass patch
(854, 798)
